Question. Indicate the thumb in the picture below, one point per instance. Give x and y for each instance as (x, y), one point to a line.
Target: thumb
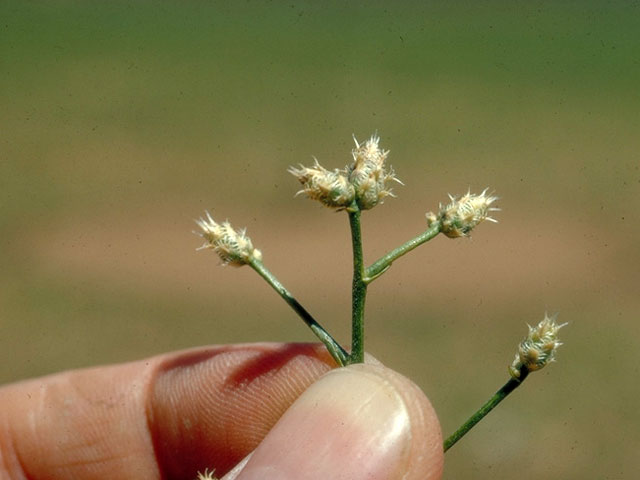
(357, 422)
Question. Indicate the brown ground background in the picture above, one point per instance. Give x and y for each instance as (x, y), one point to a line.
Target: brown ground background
(121, 123)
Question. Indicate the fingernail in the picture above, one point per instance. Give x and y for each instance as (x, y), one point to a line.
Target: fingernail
(354, 423)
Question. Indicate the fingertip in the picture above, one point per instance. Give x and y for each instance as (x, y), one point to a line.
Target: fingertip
(358, 422)
(426, 455)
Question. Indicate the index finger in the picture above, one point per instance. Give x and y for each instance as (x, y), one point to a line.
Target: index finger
(164, 417)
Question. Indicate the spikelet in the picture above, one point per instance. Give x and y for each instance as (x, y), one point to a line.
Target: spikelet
(462, 215)
(539, 348)
(368, 174)
(331, 188)
(232, 246)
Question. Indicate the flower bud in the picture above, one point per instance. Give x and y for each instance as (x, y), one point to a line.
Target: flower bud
(332, 189)
(539, 347)
(368, 175)
(232, 246)
(460, 216)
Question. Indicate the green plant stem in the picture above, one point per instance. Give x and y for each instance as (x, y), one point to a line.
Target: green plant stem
(381, 265)
(500, 395)
(359, 289)
(338, 353)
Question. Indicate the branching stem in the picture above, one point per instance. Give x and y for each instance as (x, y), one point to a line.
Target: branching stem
(337, 352)
(383, 264)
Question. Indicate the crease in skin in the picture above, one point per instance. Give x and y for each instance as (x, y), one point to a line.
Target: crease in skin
(18, 468)
(100, 461)
(92, 424)
(10, 463)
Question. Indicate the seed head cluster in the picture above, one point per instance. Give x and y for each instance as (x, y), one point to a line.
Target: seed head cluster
(363, 181)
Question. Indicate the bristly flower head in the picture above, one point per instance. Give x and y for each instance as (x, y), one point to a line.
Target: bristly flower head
(329, 188)
(368, 175)
(232, 246)
(539, 348)
(460, 216)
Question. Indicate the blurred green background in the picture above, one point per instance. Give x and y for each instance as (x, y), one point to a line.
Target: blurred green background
(122, 122)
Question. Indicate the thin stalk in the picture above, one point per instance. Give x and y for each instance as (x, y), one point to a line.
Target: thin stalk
(381, 265)
(359, 289)
(500, 395)
(338, 353)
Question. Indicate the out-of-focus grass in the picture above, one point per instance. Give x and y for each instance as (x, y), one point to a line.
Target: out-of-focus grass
(123, 121)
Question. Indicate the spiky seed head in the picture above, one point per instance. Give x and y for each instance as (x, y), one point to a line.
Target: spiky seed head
(368, 174)
(461, 215)
(539, 348)
(232, 246)
(331, 188)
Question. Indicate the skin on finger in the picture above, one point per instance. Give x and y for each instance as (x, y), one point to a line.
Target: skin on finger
(78, 425)
(211, 408)
(359, 422)
(165, 417)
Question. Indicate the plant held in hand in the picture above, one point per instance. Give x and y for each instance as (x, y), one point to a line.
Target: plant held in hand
(361, 185)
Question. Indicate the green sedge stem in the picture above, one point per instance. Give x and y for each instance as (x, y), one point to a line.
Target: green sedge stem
(359, 289)
(500, 395)
(338, 353)
(381, 265)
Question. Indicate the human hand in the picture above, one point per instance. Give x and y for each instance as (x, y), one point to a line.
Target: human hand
(174, 415)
